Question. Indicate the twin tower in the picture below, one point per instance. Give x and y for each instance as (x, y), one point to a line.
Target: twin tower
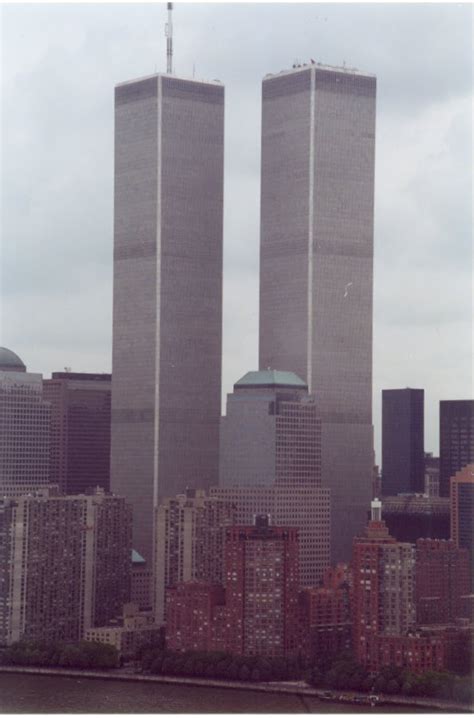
(316, 277)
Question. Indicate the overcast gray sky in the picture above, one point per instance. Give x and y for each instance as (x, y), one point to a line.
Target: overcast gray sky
(59, 67)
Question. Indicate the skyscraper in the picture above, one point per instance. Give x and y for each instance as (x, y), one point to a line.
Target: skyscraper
(272, 433)
(167, 320)
(403, 458)
(80, 430)
(25, 419)
(316, 265)
(462, 512)
(456, 439)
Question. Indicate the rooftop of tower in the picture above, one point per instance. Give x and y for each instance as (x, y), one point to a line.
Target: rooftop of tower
(10, 361)
(269, 378)
(319, 66)
(171, 76)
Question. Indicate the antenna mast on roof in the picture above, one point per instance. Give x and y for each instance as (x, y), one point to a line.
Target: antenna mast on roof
(169, 40)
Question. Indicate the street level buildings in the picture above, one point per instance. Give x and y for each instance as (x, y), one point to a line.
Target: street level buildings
(456, 440)
(305, 507)
(80, 430)
(316, 265)
(127, 632)
(403, 458)
(64, 564)
(167, 308)
(190, 541)
(271, 433)
(24, 428)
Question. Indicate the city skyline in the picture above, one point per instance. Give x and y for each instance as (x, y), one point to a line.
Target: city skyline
(430, 120)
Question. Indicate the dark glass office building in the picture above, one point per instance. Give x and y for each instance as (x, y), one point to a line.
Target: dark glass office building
(403, 458)
(456, 439)
(316, 266)
(80, 430)
(167, 314)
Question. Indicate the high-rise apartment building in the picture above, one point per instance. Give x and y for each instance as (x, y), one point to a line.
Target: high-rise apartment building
(65, 562)
(271, 433)
(190, 535)
(442, 581)
(80, 430)
(456, 439)
(403, 457)
(316, 265)
(258, 613)
(24, 428)
(305, 507)
(383, 588)
(167, 316)
(262, 585)
(462, 512)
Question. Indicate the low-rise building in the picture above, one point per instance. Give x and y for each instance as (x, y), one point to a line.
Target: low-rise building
(127, 633)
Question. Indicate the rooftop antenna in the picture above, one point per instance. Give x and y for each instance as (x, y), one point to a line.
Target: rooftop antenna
(169, 40)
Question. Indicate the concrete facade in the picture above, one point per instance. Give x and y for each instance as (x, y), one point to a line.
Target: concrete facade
(167, 316)
(190, 536)
(65, 564)
(305, 507)
(25, 421)
(316, 265)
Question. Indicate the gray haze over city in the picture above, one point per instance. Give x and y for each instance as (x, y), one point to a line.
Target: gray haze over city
(59, 67)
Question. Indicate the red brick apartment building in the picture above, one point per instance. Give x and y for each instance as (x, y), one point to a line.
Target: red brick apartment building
(259, 612)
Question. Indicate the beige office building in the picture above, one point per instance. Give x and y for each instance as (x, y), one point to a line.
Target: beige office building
(304, 507)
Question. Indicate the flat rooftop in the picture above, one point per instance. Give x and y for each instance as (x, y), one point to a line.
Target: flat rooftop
(172, 76)
(319, 66)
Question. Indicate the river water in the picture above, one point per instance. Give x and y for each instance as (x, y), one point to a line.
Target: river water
(23, 693)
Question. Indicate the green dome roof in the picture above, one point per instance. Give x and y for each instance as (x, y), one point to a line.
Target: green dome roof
(271, 377)
(10, 360)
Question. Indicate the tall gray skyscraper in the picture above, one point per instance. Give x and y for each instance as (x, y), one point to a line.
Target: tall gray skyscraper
(167, 322)
(316, 265)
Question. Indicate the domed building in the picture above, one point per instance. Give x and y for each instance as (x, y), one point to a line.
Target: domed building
(25, 419)
(9, 361)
